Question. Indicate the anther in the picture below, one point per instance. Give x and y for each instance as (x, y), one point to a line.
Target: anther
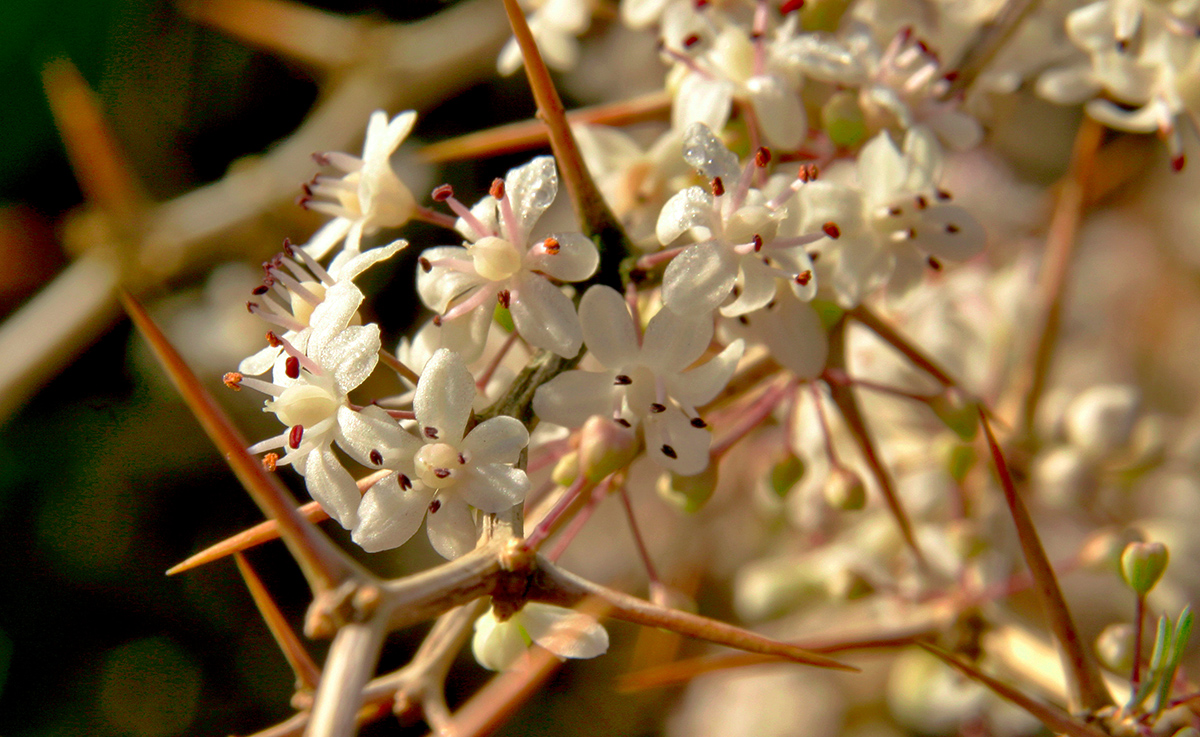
(426, 264)
(434, 506)
(669, 452)
(699, 423)
(250, 306)
(942, 195)
(431, 433)
(622, 380)
(307, 189)
(437, 321)
(910, 234)
(790, 6)
(295, 435)
(922, 203)
(462, 459)
(291, 367)
(622, 422)
(442, 193)
(804, 277)
(895, 212)
(376, 457)
(718, 187)
(691, 41)
(273, 339)
(497, 188)
(951, 228)
(321, 159)
(951, 75)
(405, 482)
(233, 380)
(1122, 44)
(935, 264)
(832, 230)
(758, 243)
(1178, 162)
(762, 157)
(814, 256)
(441, 473)
(551, 245)
(504, 297)
(657, 408)
(260, 290)
(269, 461)
(743, 319)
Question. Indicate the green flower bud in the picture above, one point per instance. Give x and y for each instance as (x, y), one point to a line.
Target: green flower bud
(1114, 648)
(785, 473)
(1142, 564)
(845, 489)
(604, 447)
(566, 469)
(843, 119)
(957, 412)
(688, 493)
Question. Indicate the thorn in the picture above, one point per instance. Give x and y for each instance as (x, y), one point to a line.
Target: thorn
(308, 675)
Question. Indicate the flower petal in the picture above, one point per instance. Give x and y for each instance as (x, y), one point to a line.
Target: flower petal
(444, 397)
(442, 284)
(332, 486)
(882, 170)
(389, 515)
(576, 260)
(498, 440)
(700, 385)
(330, 234)
(531, 188)
(371, 429)
(545, 317)
(450, 527)
(674, 444)
(564, 632)
(672, 341)
(498, 645)
(686, 209)
(779, 111)
(699, 279)
(756, 287)
(570, 398)
(826, 202)
(949, 232)
(704, 151)
(367, 259)
(352, 355)
(608, 329)
(702, 100)
(494, 487)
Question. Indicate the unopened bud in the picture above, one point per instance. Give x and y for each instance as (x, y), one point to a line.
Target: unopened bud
(1114, 648)
(785, 473)
(1142, 564)
(605, 447)
(843, 119)
(845, 489)
(688, 493)
(957, 412)
(566, 469)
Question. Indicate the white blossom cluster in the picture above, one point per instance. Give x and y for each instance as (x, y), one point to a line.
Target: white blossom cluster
(803, 173)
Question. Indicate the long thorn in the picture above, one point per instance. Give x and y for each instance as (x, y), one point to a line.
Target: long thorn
(307, 672)
(1085, 685)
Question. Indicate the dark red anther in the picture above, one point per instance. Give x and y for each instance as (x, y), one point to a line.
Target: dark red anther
(497, 189)
(307, 189)
(699, 423)
(260, 290)
(951, 228)
(250, 307)
(431, 433)
(504, 297)
(622, 380)
(295, 435)
(622, 422)
(832, 230)
(657, 408)
(700, 4)
(935, 264)
(434, 506)
(443, 192)
(951, 75)
(426, 264)
(669, 452)
(718, 187)
(321, 159)
(762, 157)
(758, 243)
(691, 41)
(273, 339)
(804, 277)
(441, 473)
(790, 6)
(437, 321)
(942, 195)
(291, 367)
(1178, 163)
(922, 203)
(303, 201)
(405, 482)
(462, 459)
(376, 457)
(551, 245)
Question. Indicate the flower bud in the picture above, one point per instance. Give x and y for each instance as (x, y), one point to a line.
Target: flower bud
(604, 447)
(688, 493)
(845, 489)
(566, 469)
(1114, 648)
(1142, 564)
(958, 413)
(1100, 419)
(843, 119)
(785, 473)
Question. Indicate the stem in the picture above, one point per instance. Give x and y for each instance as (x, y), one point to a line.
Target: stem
(1135, 676)
(903, 345)
(398, 366)
(545, 525)
(656, 586)
(753, 416)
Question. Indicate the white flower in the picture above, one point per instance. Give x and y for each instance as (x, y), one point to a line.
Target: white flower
(719, 62)
(309, 391)
(443, 471)
(644, 383)
(368, 196)
(566, 633)
(555, 24)
(881, 228)
(791, 329)
(500, 262)
(742, 253)
(302, 286)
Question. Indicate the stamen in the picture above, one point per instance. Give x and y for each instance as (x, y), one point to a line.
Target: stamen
(295, 435)
(497, 188)
(426, 266)
(233, 380)
(718, 187)
(669, 452)
(269, 461)
(622, 422)
(922, 203)
(291, 350)
(758, 243)
(468, 217)
(699, 423)
(312, 264)
(430, 432)
(284, 321)
(442, 193)
(622, 380)
(935, 264)
(656, 408)
(462, 459)
(481, 295)
(790, 6)
(434, 506)
(376, 457)
(405, 482)
(441, 473)
(804, 277)
(951, 228)
(762, 157)
(691, 41)
(504, 297)
(551, 245)
(291, 367)
(832, 230)
(260, 290)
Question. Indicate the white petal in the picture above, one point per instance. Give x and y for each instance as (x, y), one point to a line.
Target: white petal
(367, 259)
(353, 355)
(388, 515)
(699, 386)
(699, 279)
(1146, 119)
(332, 486)
(545, 317)
(882, 170)
(670, 433)
(440, 285)
(451, 529)
(260, 362)
(1068, 85)
(673, 342)
(372, 429)
(497, 645)
(608, 329)
(331, 317)
(531, 188)
(959, 131)
(756, 282)
(498, 440)
(493, 487)
(826, 202)
(576, 260)
(907, 272)
(702, 100)
(564, 632)
(779, 111)
(797, 338)
(824, 57)
(924, 156)
(686, 209)
(510, 58)
(444, 397)
(949, 232)
(706, 152)
(570, 398)
(330, 234)
(638, 14)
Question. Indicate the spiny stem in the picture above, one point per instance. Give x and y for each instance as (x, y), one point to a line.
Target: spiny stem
(306, 671)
